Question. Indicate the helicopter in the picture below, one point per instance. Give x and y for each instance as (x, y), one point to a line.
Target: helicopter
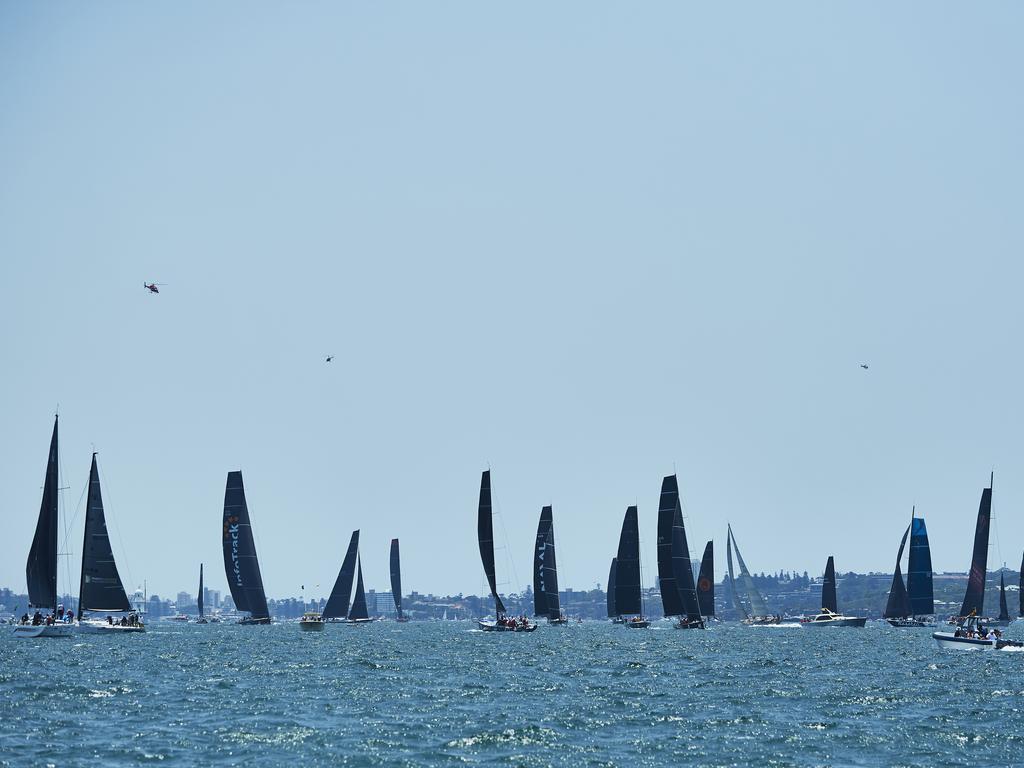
(152, 287)
(864, 366)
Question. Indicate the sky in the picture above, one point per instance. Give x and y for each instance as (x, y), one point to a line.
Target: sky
(585, 245)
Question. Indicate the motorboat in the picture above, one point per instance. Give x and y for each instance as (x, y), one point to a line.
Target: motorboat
(829, 618)
(502, 624)
(311, 621)
(974, 635)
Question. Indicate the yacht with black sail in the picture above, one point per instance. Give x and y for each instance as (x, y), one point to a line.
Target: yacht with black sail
(912, 604)
(973, 606)
(201, 618)
(41, 567)
(613, 612)
(758, 614)
(485, 541)
(628, 594)
(396, 582)
(675, 570)
(241, 565)
(100, 588)
(706, 583)
(829, 615)
(337, 607)
(358, 614)
(545, 572)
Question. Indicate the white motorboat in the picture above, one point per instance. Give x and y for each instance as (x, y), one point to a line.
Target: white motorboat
(828, 618)
(974, 635)
(506, 625)
(311, 621)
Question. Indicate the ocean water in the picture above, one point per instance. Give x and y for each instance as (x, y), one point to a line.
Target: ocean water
(444, 694)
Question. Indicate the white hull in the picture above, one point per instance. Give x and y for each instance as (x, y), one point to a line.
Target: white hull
(44, 630)
(103, 628)
(841, 621)
(949, 640)
(487, 625)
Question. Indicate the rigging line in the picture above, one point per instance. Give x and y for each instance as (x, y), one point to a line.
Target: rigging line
(510, 561)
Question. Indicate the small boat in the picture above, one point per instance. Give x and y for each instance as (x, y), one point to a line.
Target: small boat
(100, 588)
(201, 618)
(628, 594)
(910, 605)
(485, 541)
(241, 566)
(829, 615)
(311, 621)
(545, 572)
(973, 634)
(396, 581)
(675, 570)
(758, 614)
(41, 568)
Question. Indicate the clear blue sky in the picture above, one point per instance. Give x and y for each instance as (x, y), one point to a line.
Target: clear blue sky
(581, 244)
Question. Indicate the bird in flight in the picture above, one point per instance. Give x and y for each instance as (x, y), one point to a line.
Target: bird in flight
(864, 366)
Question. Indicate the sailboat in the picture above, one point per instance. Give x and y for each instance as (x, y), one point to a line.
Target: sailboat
(613, 612)
(675, 571)
(545, 572)
(201, 619)
(909, 604)
(829, 615)
(100, 587)
(758, 613)
(1020, 590)
(358, 613)
(396, 581)
(41, 568)
(1003, 620)
(241, 566)
(485, 540)
(974, 597)
(628, 594)
(338, 602)
(706, 582)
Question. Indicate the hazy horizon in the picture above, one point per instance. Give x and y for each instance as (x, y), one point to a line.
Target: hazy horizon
(585, 246)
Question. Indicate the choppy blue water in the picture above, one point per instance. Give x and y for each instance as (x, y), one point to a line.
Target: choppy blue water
(441, 694)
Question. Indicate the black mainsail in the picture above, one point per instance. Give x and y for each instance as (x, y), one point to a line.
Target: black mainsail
(359, 611)
(41, 568)
(545, 570)
(1004, 609)
(828, 587)
(610, 595)
(668, 506)
(974, 599)
(898, 604)
(683, 569)
(1020, 610)
(628, 599)
(919, 570)
(241, 566)
(199, 597)
(706, 581)
(100, 588)
(485, 540)
(396, 578)
(337, 603)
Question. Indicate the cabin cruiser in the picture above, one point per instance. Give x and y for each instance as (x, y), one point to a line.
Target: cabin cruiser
(311, 621)
(829, 618)
(910, 622)
(761, 621)
(179, 617)
(637, 622)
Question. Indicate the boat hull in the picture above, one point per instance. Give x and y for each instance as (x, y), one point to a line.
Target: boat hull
(493, 626)
(311, 626)
(683, 624)
(44, 630)
(847, 621)
(950, 640)
(250, 621)
(103, 628)
(909, 623)
(643, 624)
